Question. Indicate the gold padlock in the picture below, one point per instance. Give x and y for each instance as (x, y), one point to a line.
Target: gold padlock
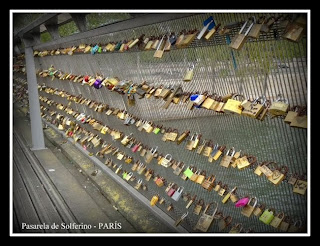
(189, 74)
(279, 107)
(239, 40)
(277, 220)
(248, 209)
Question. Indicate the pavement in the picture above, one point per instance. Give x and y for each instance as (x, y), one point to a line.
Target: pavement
(60, 190)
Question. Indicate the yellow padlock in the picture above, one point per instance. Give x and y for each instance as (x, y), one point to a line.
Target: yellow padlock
(154, 200)
(189, 74)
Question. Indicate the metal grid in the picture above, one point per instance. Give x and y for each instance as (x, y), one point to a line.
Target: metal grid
(214, 72)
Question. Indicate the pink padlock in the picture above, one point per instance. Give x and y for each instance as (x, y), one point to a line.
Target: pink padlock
(242, 202)
(135, 148)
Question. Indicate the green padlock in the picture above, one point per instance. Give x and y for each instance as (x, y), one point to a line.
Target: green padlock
(124, 175)
(156, 130)
(188, 172)
(99, 49)
(267, 216)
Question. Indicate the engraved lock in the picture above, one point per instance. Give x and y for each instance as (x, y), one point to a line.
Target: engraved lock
(266, 170)
(226, 160)
(300, 186)
(278, 175)
(206, 219)
(179, 169)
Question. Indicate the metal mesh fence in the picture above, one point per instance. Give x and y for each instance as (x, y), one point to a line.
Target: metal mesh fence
(267, 66)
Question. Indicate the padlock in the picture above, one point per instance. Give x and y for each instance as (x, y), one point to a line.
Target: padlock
(234, 197)
(176, 196)
(126, 139)
(219, 152)
(201, 147)
(239, 40)
(182, 137)
(170, 207)
(189, 74)
(300, 187)
(172, 190)
(226, 198)
(256, 28)
(279, 107)
(195, 175)
(278, 175)
(242, 202)
(198, 207)
(224, 222)
(188, 38)
(150, 154)
(294, 228)
(292, 113)
(201, 177)
(234, 106)
(187, 173)
(118, 169)
(237, 228)
(208, 149)
(179, 168)
(169, 186)
(259, 209)
(162, 200)
(190, 142)
(191, 200)
(129, 176)
(154, 200)
(226, 160)
(160, 182)
(206, 220)
(214, 152)
(222, 190)
(208, 22)
(255, 108)
(180, 219)
(266, 170)
(208, 183)
(148, 175)
(246, 161)
(301, 119)
(160, 47)
(297, 29)
(277, 220)
(257, 170)
(285, 223)
(218, 186)
(212, 31)
(248, 209)
(166, 161)
(267, 216)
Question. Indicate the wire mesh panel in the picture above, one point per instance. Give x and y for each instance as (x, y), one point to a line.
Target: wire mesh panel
(267, 66)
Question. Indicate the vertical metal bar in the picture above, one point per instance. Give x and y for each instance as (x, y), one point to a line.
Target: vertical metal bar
(35, 118)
